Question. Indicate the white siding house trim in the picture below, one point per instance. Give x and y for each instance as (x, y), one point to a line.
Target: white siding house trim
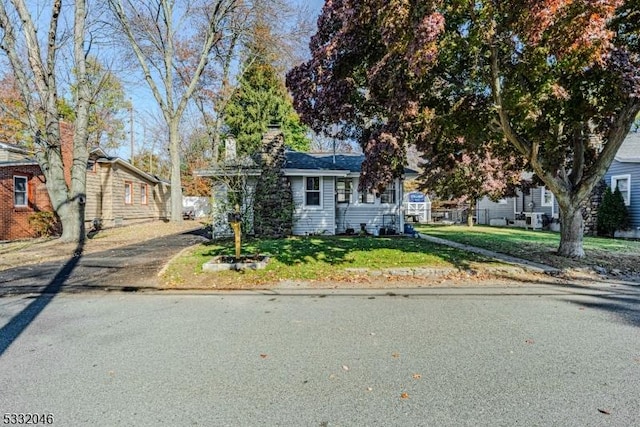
(627, 193)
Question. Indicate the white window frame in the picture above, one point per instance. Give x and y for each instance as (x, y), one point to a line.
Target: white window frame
(543, 195)
(391, 186)
(26, 191)
(319, 191)
(129, 200)
(144, 193)
(366, 195)
(349, 191)
(626, 195)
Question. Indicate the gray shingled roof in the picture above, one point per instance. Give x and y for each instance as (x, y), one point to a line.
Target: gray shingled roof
(323, 161)
(630, 149)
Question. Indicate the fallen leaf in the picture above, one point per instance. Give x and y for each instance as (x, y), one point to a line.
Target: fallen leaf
(406, 396)
(395, 355)
(417, 376)
(345, 367)
(369, 389)
(604, 411)
(581, 308)
(529, 341)
(264, 356)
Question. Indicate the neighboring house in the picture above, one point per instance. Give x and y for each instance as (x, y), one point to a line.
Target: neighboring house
(22, 192)
(532, 208)
(117, 192)
(624, 173)
(325, 194)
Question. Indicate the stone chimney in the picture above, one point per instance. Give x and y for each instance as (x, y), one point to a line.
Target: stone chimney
(230, 149)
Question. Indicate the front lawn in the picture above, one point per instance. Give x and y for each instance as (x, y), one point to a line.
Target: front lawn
(541, 246)
(325, 258)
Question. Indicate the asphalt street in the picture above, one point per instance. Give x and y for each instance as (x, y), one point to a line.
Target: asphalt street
(532, 356)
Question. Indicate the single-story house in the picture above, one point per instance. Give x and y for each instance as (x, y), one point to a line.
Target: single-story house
(324, 189)
(117, 192)
(327, 199)
(624, 173)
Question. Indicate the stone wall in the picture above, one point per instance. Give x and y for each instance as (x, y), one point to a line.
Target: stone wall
(590, 210)
(273, 203)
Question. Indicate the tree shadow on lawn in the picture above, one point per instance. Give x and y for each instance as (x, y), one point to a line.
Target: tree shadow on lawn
(542, 247)
(339, 251)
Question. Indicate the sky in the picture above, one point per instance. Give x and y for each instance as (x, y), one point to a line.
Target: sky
(145, 106)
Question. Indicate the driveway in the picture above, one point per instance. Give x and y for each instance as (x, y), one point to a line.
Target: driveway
(122, 268)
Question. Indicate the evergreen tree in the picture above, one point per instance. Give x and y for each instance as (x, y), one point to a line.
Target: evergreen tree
(612, 213)
(261, 99)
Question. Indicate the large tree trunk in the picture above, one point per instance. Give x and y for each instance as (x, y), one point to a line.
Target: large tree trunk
(72, 220)
(571, 231)
(176, 181)
(472, 209)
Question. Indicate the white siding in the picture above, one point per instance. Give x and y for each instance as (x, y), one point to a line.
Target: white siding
(633, 170)
(372, 215)
(314, 219)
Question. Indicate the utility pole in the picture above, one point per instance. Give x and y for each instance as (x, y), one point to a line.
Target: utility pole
(131, 129)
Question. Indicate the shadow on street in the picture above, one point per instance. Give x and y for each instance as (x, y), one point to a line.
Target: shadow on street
(12, 330)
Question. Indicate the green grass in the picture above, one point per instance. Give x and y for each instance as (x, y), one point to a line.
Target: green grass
(316, 258)
(541, 246)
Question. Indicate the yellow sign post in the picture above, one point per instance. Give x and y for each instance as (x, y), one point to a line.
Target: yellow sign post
(235, 219)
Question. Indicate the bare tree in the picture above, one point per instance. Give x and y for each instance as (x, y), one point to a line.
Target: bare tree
(281, 27)
(173, 44)
(36, 67)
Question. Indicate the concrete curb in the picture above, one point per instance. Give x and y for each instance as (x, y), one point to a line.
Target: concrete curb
(524, 264)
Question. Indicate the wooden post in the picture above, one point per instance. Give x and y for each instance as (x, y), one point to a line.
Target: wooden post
(237, 231)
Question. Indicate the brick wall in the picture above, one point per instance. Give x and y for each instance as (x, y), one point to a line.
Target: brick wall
(14, 221)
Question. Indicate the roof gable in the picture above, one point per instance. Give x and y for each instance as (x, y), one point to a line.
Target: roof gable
(629, 151)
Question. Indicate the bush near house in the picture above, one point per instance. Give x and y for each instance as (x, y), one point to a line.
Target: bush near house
(613, 215)
(44, 224)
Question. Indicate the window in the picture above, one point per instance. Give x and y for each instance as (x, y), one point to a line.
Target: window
(546, 197)
(20, 198)
(128, 192)
(144, 192)
(623, 182)
(312, 191)
(367, 197)
(389, 194)
(91, 166)
(343, 190)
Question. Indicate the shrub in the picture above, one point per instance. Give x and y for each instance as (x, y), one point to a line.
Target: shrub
(612, 213)
(44, 224)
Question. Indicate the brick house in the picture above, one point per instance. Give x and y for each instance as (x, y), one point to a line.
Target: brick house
(22, 192)
(117, 192)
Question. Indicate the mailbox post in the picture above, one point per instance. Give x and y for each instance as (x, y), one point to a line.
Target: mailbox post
(235, 220)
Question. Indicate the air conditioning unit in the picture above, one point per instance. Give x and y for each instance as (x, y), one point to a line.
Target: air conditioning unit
(533, 220)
